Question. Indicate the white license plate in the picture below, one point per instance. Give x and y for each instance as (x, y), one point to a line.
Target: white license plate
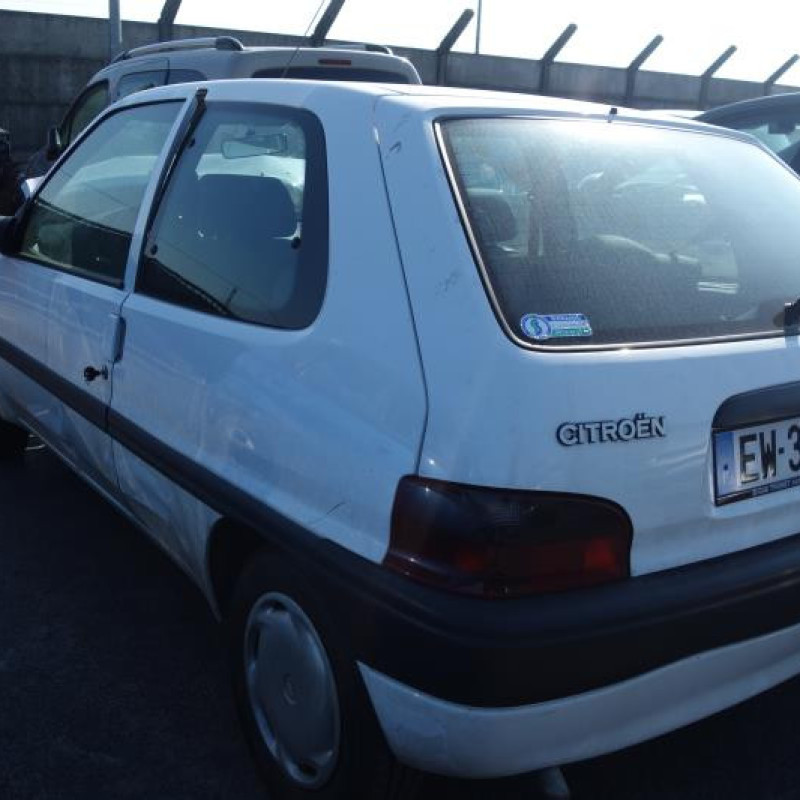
(757, 460)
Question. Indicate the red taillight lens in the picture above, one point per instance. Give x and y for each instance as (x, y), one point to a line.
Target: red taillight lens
(505, 543)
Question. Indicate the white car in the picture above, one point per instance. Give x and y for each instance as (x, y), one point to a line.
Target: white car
(475, 416)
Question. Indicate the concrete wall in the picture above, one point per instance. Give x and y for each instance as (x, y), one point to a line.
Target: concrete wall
(46, 59)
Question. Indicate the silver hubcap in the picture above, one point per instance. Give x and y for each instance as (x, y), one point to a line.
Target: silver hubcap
(291, 689)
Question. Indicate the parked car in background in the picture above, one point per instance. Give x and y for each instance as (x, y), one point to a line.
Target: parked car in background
(773, 120)
(186, 60)
(475, 416)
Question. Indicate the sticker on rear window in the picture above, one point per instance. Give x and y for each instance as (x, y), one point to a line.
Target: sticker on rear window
(555, 326)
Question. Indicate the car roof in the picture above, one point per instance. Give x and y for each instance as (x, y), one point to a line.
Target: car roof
(424, 100)
(237, 61)
(754, 104)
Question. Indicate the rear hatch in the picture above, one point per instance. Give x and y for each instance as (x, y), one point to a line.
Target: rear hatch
(600, 308)
(332, 64)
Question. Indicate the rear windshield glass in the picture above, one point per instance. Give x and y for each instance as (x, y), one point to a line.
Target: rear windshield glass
(606, 234)
(334, 73)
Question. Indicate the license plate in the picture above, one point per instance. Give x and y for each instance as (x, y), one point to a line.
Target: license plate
(757, 460)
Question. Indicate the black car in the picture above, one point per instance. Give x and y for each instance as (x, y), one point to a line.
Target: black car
(774, 120)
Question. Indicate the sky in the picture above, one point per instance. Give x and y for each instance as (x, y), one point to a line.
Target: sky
(610, 32)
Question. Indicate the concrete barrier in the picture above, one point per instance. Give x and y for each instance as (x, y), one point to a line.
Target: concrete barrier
(46, 59)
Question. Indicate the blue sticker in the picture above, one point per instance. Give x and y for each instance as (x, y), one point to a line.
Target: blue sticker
(555, 326)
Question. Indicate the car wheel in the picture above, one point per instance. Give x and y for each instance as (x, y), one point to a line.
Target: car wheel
(13, 441)
(305, 711)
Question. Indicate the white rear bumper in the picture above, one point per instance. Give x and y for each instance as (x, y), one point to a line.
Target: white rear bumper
(451, 739)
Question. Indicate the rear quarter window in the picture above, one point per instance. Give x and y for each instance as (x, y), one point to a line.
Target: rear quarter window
(597, 234)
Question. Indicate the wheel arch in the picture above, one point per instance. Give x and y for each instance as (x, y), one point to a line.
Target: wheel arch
(230, 546)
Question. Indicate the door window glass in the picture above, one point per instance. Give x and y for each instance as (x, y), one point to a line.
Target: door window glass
(185, 76)
(780, 131)
(139, 81)
(89, 105)
(83, 219)
(242, 229)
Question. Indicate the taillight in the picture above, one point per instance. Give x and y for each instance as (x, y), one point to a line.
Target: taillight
(505, 542)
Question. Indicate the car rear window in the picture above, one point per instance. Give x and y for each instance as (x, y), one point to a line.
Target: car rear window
(590, 233)
(334, 73)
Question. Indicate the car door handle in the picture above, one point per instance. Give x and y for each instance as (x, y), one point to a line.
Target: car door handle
(90, 373)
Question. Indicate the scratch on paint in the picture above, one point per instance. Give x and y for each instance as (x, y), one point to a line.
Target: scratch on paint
(330, 511)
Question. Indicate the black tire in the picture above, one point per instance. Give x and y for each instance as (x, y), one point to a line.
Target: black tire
(365, 768)
(13, 441)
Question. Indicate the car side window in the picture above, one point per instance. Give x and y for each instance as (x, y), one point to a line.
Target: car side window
(778, 130)
(88, 106)
(242, 231)
(83, 219)
(139, 81)
(185, 76)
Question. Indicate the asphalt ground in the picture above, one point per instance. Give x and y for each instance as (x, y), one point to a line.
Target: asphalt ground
(113, 682)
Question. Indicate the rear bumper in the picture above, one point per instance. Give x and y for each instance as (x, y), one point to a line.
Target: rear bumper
(452, 739)
(495, 654)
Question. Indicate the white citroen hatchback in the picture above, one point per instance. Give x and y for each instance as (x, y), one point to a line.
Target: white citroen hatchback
(475, 416)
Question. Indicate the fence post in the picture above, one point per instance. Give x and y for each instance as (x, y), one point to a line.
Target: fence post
(550, 56)
(326, 23)
(635, 66)
(782, 70)
(705, 78)
(446, 45)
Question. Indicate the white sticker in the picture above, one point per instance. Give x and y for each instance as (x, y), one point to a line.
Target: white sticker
(555, 326)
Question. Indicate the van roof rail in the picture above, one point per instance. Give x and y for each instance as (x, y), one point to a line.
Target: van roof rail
(203, 42)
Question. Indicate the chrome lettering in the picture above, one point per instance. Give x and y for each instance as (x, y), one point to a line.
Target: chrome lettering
(567, 434)
(608, 431)
(640, 426)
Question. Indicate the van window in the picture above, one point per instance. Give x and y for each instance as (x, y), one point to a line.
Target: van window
(185, 76)
(139, 81)
(242, 230)
(334, 73)
(607, 234)
(86, 108)
(83, 219)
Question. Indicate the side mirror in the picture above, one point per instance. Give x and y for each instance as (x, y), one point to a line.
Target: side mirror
(54, 146)
(29, 186)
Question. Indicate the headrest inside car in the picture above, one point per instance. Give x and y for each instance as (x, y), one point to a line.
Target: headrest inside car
(493, 218)
(233, 202)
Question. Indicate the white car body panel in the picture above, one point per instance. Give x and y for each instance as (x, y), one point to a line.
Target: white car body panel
(25, 291)
(82, 326)
(499, 427)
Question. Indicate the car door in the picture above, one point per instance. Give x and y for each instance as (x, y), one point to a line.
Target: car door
(65, 285)
(238, 386)
(218, 281)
